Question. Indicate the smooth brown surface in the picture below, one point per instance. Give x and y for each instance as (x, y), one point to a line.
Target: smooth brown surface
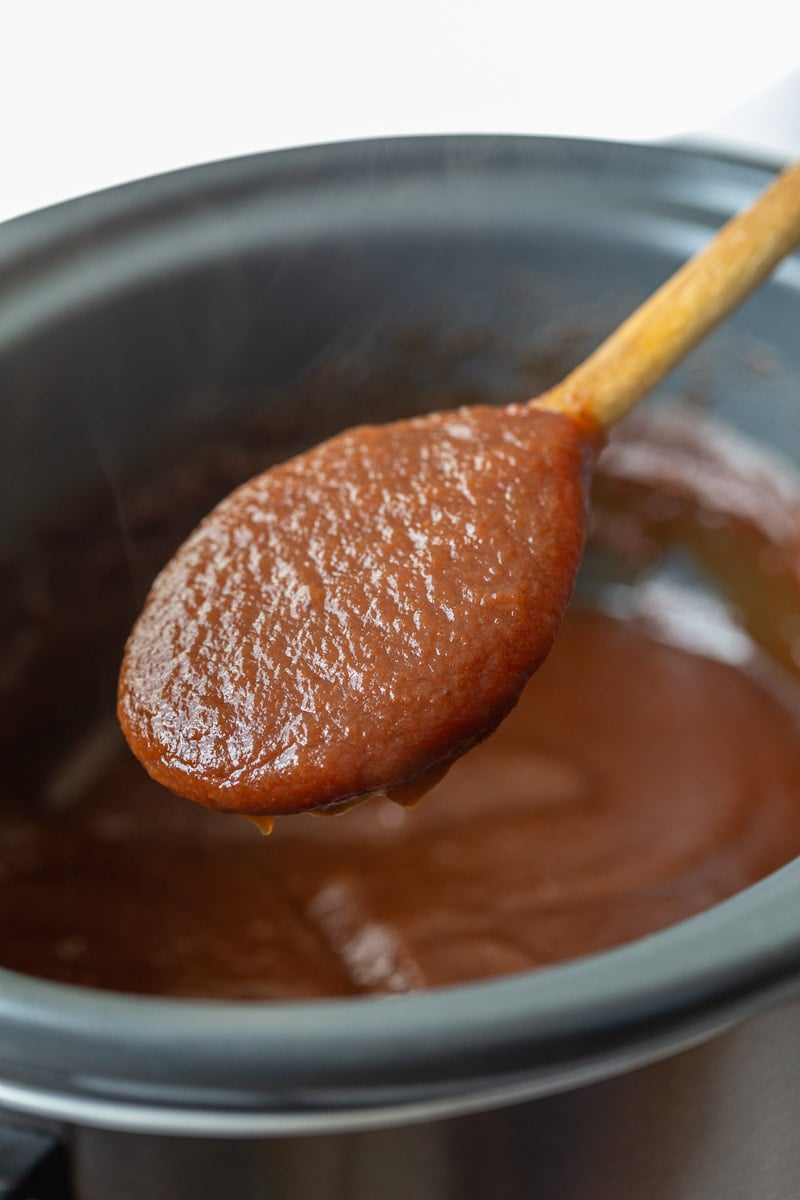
(354, 617)
(579, 824)
(636, 782)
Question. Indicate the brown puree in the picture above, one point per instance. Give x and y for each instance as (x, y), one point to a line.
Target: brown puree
(636, 783)
(351, 619)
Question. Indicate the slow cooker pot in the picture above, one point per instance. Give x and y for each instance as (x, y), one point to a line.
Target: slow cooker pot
(164, 309)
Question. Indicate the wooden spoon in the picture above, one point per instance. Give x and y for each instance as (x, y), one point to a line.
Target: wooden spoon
(351, 621)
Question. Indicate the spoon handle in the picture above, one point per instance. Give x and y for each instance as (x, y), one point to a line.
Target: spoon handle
(675, 318)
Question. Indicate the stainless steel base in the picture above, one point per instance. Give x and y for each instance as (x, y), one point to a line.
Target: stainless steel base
(720, 1120)
(171, 307)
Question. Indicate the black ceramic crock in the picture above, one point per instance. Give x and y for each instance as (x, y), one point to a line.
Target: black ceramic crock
(164, 310)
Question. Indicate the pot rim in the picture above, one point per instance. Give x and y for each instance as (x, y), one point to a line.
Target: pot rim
(245, 1068)
(301, 1063)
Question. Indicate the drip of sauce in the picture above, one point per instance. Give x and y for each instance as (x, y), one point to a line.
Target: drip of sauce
(577, 825)
(358, 617)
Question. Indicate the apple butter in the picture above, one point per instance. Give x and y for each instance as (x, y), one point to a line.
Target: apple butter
(650, 769)
(353, 618)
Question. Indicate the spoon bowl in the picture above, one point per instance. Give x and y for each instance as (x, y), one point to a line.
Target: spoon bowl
(351, 621)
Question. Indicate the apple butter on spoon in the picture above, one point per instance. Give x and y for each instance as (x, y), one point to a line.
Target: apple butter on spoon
(351, 621)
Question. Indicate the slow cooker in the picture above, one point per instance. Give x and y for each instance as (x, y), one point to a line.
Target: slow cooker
(166, 309)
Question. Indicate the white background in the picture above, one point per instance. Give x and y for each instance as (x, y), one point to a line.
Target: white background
(93, 94)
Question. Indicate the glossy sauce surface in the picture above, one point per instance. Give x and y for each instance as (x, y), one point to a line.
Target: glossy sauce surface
(579, 824)
(351, 619)
(651, 768)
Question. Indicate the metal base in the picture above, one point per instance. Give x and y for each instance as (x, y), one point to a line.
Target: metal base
(718, 1120)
